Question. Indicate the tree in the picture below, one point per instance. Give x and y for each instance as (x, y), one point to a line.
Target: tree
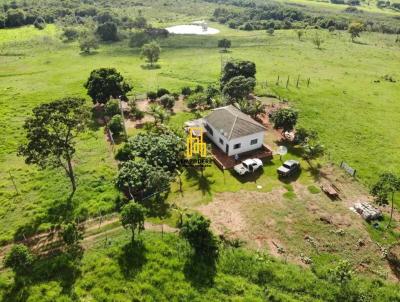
(15, 18)
(163, 150)
(115, 125)
(161, 92)
(152, 95)
(159, 114)
(285, 119)
(238, 88)
(196, 230)
(132, 217)
(197, 101)
(234, 68)
(104, 83)
(88, 41)
(252, 108)
(108, 31)
(387, 185)
(70, 34)
(299, 33)
(138, 179)
(151, 52)
(39, 23)
(19, 259)
(355, 28)
(138, 39)
(112, 108)
(270, 31)
(71, 234)
(317, 40)
(167, 101)
(140, 22)
(51, 133)
(312, 148)
(225, 44)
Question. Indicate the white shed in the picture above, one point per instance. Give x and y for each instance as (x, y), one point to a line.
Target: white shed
(233, 131)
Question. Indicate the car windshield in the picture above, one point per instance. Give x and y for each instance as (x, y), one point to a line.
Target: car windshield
(287, 166)
(245, 165)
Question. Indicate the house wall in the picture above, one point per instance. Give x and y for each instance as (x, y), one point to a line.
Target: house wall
(244, 141)
(216, 137)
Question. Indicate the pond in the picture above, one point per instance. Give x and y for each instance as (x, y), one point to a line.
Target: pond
(192, 30)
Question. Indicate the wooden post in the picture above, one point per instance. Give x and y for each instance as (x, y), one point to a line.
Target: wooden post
(287, 82)
(298, 79)
(277, 81)
(14, 184)
(123, 118)
(308, 82)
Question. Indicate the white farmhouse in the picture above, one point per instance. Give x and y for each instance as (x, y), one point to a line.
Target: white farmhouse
(233, 131)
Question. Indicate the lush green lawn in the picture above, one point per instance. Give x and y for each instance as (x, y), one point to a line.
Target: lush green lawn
(354, 115)
(161, 268)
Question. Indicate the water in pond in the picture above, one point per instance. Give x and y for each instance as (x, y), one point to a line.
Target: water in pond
(192, 30)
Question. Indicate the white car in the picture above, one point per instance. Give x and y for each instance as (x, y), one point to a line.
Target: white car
(248, 166)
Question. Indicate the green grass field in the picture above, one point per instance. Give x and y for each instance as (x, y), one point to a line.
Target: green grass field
(348, 102)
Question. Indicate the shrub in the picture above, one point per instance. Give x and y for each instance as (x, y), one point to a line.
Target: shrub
(167, 101)
(152, 95)
(186, 91)
(161, 92)
(115, 125)
(112, 108)
(39, 23)
(199, 89)
(138, 39)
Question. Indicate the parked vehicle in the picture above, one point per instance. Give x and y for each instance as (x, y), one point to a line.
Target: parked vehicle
(288, 168)
(248, 166)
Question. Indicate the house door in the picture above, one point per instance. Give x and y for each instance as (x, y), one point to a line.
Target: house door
(227, 148)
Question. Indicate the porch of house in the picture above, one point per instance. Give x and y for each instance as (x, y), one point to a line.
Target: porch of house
(225, 162)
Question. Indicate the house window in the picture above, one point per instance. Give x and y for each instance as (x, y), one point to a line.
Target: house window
(236, 146)
(221, 141)
(209, 130)
(253, 141)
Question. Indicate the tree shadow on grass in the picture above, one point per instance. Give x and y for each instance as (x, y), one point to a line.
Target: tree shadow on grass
(203, 182)
(200, 270)
(150, 67)
(63, 267)
(132, 258)
(156, 206)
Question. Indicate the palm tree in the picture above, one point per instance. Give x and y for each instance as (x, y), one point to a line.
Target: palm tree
(159, 114)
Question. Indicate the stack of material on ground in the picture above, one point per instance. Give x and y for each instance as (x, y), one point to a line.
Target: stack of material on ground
(367, 211)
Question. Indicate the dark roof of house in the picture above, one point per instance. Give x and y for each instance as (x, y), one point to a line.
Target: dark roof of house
(233, 123)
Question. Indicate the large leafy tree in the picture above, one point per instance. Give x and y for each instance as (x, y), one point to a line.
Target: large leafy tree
(132, 217)
(236, 68)
(163, 150)
(238, 88)
(108, 31)
(196, 230)
(384, 189)
(106, 83)
(51, 133)
(151, 52)
(139, 180)
(285, 119)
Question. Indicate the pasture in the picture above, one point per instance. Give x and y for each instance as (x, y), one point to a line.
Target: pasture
(348, 102)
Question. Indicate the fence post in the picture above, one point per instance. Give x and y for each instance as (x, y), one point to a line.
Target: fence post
(277, 81)
(298, 79)
(308, 82)
(287, 82)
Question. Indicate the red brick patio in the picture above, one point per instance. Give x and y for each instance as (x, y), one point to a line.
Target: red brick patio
(228, 162)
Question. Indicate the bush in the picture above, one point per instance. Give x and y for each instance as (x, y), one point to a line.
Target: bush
(152, 95)
(167, 101)
(138, 39)
(186, 91)
(39, 23)
(70, 34)
(199, 89)
(112, 108)
(108, 31)
(161, 92)
(115, 125)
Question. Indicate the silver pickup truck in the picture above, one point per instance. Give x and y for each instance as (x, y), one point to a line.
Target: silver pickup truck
(288, 168)
(248, 166)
